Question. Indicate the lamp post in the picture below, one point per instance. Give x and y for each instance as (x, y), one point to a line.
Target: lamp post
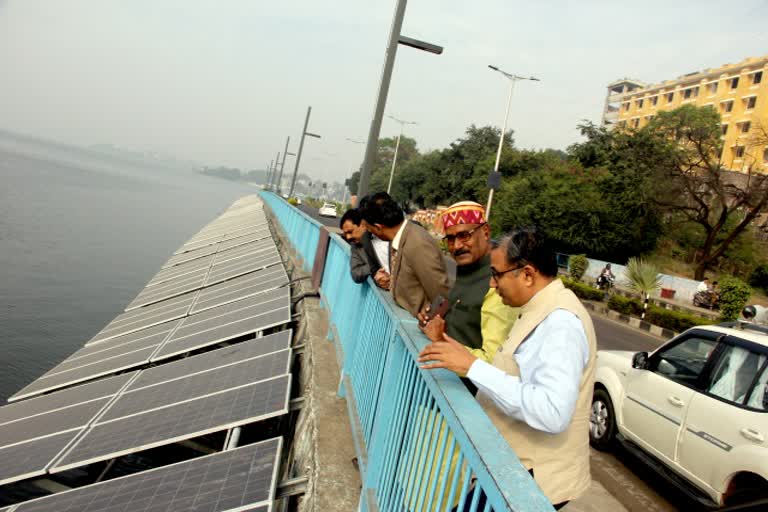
(282, 165)
(269, 176)
(304, 133)
(395, 38)
(397, 147)
(493, 178)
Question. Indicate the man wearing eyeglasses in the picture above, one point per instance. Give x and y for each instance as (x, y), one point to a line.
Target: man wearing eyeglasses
(537, 389)
(478, 318)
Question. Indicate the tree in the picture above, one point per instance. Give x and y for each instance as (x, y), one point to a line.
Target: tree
(693, 183)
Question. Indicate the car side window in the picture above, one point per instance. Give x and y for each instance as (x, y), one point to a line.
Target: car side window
(684, 361)
(734, 373)
(758, 395)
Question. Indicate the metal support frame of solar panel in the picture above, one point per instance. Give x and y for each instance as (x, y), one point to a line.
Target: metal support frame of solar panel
(30, 444)
(93, 361)
(149, 316)
(243, 478)
(212, 326)
(176, 422)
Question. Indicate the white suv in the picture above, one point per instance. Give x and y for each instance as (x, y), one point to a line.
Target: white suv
(696, 409)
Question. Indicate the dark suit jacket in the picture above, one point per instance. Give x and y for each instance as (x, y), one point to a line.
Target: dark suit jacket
(363, 261)
(418, 270)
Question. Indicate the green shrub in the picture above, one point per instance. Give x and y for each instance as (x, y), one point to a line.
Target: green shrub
(677, 321)
(583, 291)
(734, 294)
(759, 277)
(625, 305)
(293, 201)
(577, 265)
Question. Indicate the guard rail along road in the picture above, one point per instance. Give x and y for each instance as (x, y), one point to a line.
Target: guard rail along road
(422, 440)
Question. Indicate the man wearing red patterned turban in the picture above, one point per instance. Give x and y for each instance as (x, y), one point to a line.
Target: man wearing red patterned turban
(477, 319)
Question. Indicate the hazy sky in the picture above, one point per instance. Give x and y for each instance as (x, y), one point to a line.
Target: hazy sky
(225, 81)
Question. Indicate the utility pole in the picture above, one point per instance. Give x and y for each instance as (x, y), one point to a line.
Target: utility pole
(395, 37)
(397, 147)
(494, 178)
(269, 176)
(304, 133)
(279, 176)
(282, 165)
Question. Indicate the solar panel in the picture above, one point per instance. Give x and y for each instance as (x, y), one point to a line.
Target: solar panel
(236, 319)
(25, 460)
(244, 250)
(240, 288)
(242, 266)
(191, 246)
(143, 318)
(198, 385)
(190, 256)
(214, 359)
(205, 415)
(230, 243)
(239, 479)
(54, 422)
(171, 273)
(54, 401)
(169, 289)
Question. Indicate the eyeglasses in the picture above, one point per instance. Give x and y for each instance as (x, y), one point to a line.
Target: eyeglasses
(464, 236)
(496, 275)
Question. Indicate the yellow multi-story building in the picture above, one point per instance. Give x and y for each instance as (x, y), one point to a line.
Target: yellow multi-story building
(739, 92)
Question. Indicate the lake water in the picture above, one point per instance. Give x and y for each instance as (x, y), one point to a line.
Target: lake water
(80, 235)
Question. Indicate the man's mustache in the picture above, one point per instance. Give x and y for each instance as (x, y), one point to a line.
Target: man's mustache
(459, 252)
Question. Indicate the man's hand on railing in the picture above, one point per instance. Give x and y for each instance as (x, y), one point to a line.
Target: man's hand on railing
(447, 353)
(381, 279)
(432, 329)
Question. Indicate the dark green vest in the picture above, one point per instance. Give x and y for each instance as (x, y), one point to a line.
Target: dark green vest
(463, 321)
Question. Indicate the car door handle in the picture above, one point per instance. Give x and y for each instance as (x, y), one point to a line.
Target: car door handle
(752, 435)
(675, 401)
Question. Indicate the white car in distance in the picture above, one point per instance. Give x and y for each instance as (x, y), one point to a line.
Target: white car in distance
(327, 210)
(695, 409)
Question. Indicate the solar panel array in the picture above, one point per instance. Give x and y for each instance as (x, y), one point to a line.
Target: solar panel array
(220, 291)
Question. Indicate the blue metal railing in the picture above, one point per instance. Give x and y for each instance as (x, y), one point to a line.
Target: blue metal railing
(425, 444)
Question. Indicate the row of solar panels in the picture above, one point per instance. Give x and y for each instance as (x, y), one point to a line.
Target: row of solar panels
(105, 401)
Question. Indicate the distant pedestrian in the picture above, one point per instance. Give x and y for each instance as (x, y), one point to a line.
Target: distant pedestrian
(418, 272)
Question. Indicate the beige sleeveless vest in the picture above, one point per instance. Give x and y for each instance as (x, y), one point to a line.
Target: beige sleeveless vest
(560, 462)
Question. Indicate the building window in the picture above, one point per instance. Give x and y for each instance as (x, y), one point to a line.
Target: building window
(626, 106)
(690, 93)
(757, 77)
(723, 129)
(734, 82)
(622, 124)
(670, 96)
(712, 87)
(765, 155)
(726, 106)
(749, 103)
(639, 103)
(648, 119)
(744, 127)
(635, 122)
(654, 100)
(738, 151)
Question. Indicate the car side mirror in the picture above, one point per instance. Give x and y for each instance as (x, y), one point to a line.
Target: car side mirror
(640, 361)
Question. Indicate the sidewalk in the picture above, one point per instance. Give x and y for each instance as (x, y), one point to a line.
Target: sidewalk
(596, 499)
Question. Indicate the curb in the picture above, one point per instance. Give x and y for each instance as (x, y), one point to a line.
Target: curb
(636, 323)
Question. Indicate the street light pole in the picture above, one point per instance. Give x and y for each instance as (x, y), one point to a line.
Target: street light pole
(397, 147)
(395, 38)
(512, 79)
(304, 133)
(282, 165)
(269, 176)
(279, 176)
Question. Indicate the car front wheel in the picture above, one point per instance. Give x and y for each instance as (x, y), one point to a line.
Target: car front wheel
(602, 421)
